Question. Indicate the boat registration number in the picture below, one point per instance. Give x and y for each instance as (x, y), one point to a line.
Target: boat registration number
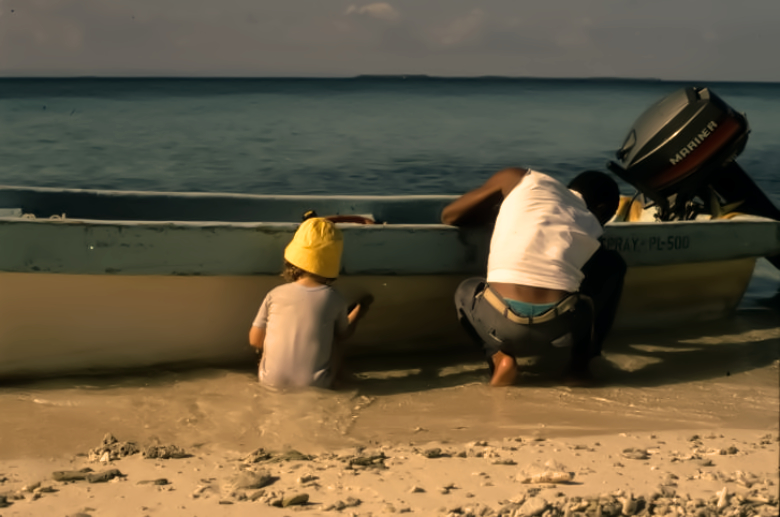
(657, 243)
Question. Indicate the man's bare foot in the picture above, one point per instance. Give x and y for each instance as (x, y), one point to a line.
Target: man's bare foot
(504, 371)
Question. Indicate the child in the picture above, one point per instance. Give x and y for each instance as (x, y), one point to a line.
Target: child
(299, 321)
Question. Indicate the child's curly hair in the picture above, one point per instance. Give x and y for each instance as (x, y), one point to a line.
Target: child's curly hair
(291, 273)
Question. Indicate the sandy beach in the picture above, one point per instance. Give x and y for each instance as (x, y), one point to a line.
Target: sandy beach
(430, 441)
(652, 474)
(683, 422)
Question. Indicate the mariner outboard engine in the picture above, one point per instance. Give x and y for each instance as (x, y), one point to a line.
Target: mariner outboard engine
(680, 154)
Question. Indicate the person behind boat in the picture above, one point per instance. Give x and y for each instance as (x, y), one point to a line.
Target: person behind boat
(301, 324)
(549, 281)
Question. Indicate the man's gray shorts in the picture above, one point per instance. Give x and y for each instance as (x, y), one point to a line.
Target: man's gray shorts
(494, 331)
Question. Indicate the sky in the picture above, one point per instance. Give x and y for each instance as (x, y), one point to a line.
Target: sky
(729, 40)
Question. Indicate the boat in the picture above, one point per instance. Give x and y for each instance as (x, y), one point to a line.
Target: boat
(101, 280)
(95, 280)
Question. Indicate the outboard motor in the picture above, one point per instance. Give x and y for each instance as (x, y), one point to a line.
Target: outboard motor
(680, 154)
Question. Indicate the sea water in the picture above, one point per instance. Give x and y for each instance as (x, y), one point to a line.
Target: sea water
(376, 136)
(345, 136)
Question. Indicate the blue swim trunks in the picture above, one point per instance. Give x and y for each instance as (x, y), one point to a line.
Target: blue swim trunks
(528, 310)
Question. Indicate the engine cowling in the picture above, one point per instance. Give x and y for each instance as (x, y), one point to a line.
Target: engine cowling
(678, 144)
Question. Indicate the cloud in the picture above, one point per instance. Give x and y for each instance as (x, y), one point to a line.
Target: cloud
(378, 10)
(461, 29)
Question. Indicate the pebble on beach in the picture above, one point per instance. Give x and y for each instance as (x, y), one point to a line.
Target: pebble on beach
(165, 452)
(249, 480)
(112, 449)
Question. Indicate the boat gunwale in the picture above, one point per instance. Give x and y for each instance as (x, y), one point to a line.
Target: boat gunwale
(215, 223)
(742, 218)
(285, 197)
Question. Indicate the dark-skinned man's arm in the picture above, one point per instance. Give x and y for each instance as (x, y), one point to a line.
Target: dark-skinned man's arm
(479, 206)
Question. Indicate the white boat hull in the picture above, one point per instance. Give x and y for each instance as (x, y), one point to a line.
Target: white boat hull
(59, 323)
(134, 279)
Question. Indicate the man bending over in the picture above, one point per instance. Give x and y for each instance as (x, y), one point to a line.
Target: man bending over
(550, 282)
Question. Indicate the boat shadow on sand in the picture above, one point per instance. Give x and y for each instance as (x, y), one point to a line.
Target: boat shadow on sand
(748, 341)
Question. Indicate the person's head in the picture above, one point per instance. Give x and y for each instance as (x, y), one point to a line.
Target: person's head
(315, 250)
(600, 192)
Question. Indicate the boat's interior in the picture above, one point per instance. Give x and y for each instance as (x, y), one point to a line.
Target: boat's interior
(42, 203)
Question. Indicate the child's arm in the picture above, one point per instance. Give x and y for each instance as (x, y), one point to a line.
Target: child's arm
(257, 330)
(345, 327)
(257, 337)
(352, 319)
(354, 316)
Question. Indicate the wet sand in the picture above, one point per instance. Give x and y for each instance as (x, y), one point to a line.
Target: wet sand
(717, 380)
(716, 375)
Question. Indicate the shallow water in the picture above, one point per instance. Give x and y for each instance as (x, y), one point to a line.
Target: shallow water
(722, 374)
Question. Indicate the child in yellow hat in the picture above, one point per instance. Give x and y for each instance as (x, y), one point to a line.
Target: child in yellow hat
(299, 322)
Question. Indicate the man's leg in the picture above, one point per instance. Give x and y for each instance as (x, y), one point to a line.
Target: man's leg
(603, 283)
(593, 318)
(580, 322)
(464, 303)
(503, 367)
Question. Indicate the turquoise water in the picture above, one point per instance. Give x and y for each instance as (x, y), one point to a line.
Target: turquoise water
(313, 136)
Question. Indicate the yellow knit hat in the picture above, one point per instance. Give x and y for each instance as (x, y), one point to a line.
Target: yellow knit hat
(316, 248)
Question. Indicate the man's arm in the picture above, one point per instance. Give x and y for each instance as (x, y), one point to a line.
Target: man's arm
(478, 206)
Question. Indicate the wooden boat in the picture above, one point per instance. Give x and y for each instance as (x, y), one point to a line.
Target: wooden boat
(96, 280)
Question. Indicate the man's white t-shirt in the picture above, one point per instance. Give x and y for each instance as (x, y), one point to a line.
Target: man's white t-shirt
(543, 236)
(300, 324)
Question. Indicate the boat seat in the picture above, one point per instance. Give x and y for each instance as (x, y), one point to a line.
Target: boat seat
(630, 209)
(354, 219)
(343, 218)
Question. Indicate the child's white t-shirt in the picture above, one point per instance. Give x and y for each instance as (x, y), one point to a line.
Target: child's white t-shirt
(300, 325)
